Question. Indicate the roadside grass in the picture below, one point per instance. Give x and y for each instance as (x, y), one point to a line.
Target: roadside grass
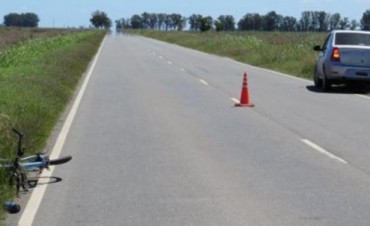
(288, 52)
(13, 35)
(38, 76)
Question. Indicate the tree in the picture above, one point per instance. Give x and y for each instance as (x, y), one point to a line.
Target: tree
(289, 23)
(272, 21)
(145, 17)
(206, 24)
(161, 20)
(318, 21)
(344, 23)
(123, 24)
(137, 22)
(323, 18)
(219, 26)
(334, 21)
(100, 19)
(305, 21)
(153, 20)
(354, 25)
(178, 22)
(225, 23)
(195, 22)
(250, 22)
(21, 20)
(365, 20)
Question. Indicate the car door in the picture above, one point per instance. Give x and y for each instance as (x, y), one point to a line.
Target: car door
(322, 56)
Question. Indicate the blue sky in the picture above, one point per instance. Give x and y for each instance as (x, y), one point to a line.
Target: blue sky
(75, 13)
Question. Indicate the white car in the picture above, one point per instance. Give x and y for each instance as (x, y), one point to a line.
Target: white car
(344, 57)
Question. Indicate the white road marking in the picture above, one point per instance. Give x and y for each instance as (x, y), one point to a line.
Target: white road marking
(169, 62)
(34, 202)
(204, 82)
(182, 69)
(235, 100)
(160, 57)
(323, 151)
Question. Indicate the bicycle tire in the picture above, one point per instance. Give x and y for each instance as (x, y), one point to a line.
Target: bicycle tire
(61, 160)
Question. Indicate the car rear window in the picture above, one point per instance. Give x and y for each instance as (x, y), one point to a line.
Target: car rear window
(352, 39)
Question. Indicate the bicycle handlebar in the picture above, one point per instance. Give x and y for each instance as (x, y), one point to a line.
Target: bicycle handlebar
(20, 150)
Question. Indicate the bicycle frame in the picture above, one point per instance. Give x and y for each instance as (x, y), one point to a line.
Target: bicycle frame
(34, 161)
(28, 163)
(19, 168)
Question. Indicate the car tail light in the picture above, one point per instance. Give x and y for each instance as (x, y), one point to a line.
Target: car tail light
(335, 55)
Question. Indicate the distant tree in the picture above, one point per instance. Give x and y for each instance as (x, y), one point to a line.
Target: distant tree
(323, 18)
(354, 25)
(219, 26)
(195, 21)
(289, 24)
(21, 20)
(145, 17)
(161, 20)
(123, 24)
(250, 22)
(365, 20)
(344, 23)
(271, 21)
(30, 19)
(137, 22)
(317, 21)
(206, 24)
(225, 23)
(168, 22)
(12, 19)
(100, 19)
(119, 24)
(153, 20)
(177, 22)
(334, 21)
(306, 21)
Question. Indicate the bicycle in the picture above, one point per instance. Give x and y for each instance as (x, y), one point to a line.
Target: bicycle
(21, 167)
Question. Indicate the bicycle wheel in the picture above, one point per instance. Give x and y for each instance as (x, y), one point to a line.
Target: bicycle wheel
(61, 160)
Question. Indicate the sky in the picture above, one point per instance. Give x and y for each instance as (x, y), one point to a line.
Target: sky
(77, 13)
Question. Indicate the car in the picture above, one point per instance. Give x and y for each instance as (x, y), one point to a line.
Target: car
(344, 57)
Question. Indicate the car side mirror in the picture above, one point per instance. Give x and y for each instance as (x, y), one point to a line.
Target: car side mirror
(317, 48)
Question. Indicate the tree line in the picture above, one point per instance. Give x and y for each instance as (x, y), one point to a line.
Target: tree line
(310, 21)
(272, 21)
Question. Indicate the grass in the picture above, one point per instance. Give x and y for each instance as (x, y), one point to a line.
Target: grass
(288, 52)
(38, 75)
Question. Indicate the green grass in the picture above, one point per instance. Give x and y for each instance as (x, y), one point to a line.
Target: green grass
(38, 76)
(288, 52)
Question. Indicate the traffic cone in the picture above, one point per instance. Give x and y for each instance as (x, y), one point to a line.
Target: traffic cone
(244, 97)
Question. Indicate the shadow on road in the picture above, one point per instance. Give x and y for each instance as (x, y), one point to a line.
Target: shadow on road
(355, 88)
(43, 180)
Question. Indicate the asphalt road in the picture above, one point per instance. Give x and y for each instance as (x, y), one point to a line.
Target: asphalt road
(157, 141)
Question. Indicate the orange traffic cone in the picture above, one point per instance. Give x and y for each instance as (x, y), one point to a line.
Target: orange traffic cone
(244, 97)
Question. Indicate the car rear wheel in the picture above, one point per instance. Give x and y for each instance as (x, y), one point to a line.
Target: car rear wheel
(316, 80)
(326, 84)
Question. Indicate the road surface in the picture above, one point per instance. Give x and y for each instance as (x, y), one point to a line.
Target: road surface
(156, 140)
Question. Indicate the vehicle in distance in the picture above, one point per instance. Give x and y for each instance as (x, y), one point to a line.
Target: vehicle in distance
(344, 57)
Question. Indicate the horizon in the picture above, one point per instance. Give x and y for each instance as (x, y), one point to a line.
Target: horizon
(52, 14)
